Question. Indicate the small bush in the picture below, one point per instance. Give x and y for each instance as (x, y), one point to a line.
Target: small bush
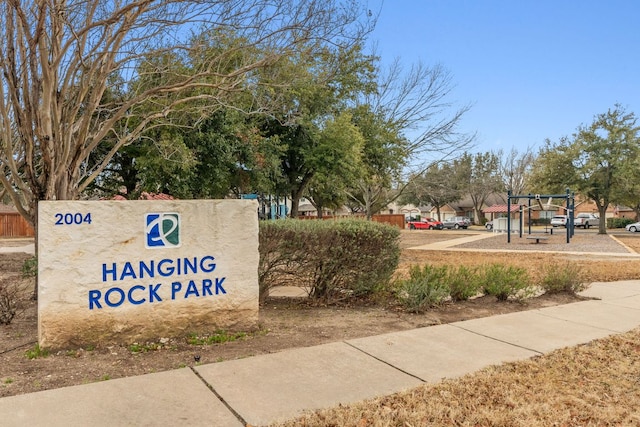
(562, 277)
(541, 221)
(37, 352)
(506, 282)
(463, 283)
(618, 222)
(12, 300)
(30, 267)
(426, 287)
(333, 259)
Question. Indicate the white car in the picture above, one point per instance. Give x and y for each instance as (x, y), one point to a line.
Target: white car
(633, 227)
(559, 221)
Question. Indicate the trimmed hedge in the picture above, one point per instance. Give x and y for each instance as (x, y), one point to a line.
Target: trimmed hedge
(332, 259)
(618, 222)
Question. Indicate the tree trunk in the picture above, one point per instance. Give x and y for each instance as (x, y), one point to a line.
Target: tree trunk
(602, 224)
(478, 214)
(296, 195)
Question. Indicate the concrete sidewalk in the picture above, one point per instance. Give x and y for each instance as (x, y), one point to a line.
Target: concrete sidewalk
(9, 245)
(263, 389)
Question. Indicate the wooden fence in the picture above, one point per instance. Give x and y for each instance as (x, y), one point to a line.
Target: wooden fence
(397, 220)
(14, 225)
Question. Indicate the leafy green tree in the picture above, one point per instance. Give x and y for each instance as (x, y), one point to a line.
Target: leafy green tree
(605, 151)
(339, 159)
(596, 161)
(315, 130)
(208, 158)
(384, 156)
(554, 171)
(630, 187)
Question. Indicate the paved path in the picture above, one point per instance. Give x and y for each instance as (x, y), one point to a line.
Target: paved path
(451, 245)
(263, 389)
(17, 245)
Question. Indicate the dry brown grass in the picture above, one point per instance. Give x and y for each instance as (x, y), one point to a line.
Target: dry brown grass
(596, 384)
(593, 268)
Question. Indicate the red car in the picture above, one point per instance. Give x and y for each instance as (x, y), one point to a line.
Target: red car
(425, 224)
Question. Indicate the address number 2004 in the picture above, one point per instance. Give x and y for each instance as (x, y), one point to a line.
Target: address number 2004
(73, 218)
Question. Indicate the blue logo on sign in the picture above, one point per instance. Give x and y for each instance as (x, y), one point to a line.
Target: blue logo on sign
(162, 230)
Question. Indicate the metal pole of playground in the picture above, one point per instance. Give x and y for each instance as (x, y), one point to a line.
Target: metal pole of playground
(509, 216)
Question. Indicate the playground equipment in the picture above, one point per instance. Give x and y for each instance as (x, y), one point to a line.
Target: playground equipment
(569, 206)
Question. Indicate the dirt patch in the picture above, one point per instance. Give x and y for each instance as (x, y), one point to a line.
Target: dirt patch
(284, 323)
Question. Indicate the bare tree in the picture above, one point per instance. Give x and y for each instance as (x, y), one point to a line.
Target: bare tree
(477, 175)
(59, 57)
(436, 187)
(418, 102)
(415, 106)
(515, 168)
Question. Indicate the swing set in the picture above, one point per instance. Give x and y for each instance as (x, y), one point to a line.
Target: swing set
(568, 206)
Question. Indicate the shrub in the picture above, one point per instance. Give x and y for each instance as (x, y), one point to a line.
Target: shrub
(618, 222)
(504, 282)
(37, 352)
(282, 252)
(463, 282)
(12, 300)
(565, 277)
(30, 267)
(426, 287)
(333, 259)
(541, 221)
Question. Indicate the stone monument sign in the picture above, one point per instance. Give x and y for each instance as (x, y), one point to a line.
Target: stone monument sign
(135, 271)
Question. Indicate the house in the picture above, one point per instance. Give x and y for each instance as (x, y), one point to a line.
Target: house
(465, 207)
(409, 211)
(453, 209)
(533, 210)
(498, 211)
(541, 211)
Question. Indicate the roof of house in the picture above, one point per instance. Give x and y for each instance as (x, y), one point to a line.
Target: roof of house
(501, 209)
(306, 207)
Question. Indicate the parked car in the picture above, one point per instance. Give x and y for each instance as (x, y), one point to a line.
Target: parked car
(633, 227)
(559, 221)
(586, 220)
(489, 225)
(456, 222)
(425, 224)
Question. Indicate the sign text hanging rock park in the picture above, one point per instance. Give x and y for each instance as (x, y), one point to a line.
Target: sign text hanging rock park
(127, 271)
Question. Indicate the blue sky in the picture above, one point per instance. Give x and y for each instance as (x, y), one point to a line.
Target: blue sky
(531, 69)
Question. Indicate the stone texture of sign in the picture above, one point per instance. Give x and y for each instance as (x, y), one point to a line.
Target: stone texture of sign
(127, 271)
